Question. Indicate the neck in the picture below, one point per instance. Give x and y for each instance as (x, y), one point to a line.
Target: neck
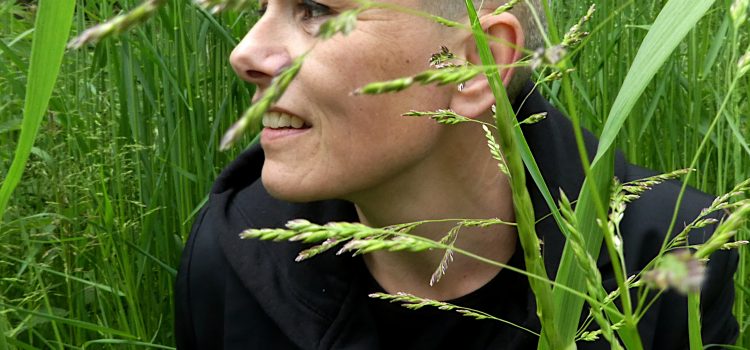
(462, 181)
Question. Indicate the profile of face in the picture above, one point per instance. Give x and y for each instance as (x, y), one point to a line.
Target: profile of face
(322, 142)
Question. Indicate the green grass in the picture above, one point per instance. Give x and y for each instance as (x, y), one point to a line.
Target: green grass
(124, 157)
(129, 147)
(666, 126)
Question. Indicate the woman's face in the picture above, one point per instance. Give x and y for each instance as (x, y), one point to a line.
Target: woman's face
(348, 146)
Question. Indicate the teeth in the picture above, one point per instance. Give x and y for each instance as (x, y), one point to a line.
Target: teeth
(297, 123)
(283, 122)
(277, 120)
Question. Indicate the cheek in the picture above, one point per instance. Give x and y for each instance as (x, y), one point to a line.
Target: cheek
(361, 142)
(358, 59)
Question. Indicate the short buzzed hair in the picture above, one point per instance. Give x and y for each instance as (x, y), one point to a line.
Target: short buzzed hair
(533, 33)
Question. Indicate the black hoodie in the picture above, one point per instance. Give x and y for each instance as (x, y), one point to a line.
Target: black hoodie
(250, 294)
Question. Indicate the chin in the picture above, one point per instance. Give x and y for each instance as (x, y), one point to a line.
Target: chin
(292, 191)
(287, 193)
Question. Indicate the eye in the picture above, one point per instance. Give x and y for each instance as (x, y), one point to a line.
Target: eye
(313, 10)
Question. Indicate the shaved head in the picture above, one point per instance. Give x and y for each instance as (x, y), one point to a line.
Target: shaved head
(524, 11)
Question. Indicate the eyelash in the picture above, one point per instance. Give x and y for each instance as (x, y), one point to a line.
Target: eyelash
(308, 7)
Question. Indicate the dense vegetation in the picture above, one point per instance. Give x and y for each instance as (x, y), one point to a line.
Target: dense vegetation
(129, 148)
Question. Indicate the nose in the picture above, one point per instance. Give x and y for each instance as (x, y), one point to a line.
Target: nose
(261, 54)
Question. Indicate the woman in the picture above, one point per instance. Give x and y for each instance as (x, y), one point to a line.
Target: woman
(328, 155)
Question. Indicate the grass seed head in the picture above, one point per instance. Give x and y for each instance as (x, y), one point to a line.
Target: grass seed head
(575, 34)
(442, 116)
(442, 59)
(534, 118)
(118, 24)
(216, 6)
(506, 7)
(743, 65)
(734, 245)
(738, 12)
(254, 114)
(681, 270)
(726, 230)
(344, 23)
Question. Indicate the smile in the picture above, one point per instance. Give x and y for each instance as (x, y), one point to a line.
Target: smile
(277, 120)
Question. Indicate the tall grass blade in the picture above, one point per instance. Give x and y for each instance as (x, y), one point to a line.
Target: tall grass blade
(675, 20)
(509, 139)
(53, 22)
(69, 321)
(694, 321)
(52, 25)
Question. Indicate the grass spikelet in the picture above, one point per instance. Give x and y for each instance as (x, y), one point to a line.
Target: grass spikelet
(591, 336)
(318, 249)
(445, 22)
(216, 6)
(585, 260)
(743, 65)
(253, 115)
(534, 118)
(449, 240)
(392, 244)
(726, 230)
(495, 151)
(634, 189)
(720, 203)
(575, 34)
(359, 238)
(506, 7)
(548, 57)
(414, 302)
(442, 59)
(738, 12)
(594, 335)
(447, 75)
(442, 116)
(303, 230)
(405, 228)
(485, 222)
(681, 270)
(395, 85)
(588, 265)
(118, 24)
(734, 245)
(344, 23)
(617, 204)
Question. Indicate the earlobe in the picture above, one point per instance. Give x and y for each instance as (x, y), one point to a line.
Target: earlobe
(506, 41)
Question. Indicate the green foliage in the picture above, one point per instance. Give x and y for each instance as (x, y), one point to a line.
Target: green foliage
(129, 146)
(50, 33)
(125, 155)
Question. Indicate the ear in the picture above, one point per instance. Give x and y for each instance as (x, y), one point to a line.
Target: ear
(476, 98)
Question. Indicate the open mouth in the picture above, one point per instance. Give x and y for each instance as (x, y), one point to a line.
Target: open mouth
(280, 120)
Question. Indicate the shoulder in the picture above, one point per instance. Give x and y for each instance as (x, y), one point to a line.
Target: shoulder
(647, 219)
(259, 279)
(237, 202)
(644, 229)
